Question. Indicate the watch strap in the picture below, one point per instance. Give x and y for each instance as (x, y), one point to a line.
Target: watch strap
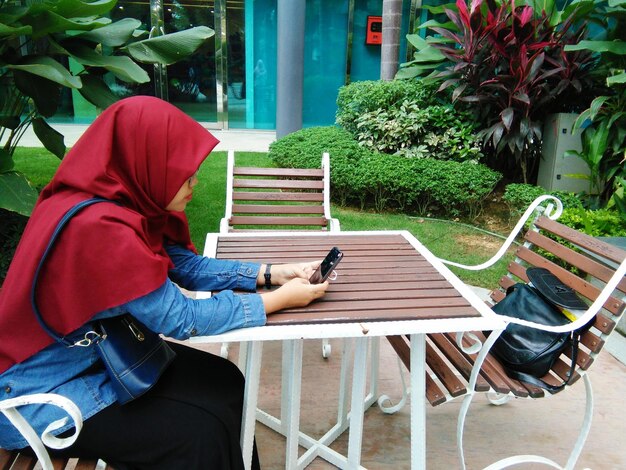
(268, 276)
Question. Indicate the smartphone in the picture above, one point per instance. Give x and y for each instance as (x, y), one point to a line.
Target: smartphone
(326, 267)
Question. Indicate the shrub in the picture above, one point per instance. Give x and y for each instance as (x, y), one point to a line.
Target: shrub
(518, 196)
(437, 131)
(365, 178)
(357, 98)
(304, 149)
(597, 223)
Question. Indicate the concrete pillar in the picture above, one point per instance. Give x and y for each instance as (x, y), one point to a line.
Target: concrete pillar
(290, 66)
(390, 48)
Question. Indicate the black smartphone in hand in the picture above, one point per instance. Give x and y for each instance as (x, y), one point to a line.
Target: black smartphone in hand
(326, 267)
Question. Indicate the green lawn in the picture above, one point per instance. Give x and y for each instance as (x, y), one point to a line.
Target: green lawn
(446, 239)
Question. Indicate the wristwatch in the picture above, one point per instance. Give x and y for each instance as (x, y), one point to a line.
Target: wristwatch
(268, 276)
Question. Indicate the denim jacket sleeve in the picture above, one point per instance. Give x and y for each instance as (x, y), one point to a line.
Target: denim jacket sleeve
(195, 272)
(167, 310)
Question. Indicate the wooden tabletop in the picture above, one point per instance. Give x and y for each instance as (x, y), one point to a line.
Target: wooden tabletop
(381, 277)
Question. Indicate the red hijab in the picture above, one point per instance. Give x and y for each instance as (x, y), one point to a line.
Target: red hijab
(139, 152)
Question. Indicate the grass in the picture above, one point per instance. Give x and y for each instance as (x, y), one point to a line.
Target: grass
(446, 239)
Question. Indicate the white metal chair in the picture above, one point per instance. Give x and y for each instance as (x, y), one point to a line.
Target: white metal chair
(14, 460)
(259, 198)
(591, 267)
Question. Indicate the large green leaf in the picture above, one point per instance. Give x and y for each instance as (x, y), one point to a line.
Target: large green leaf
(10, 14)
(113, 35)
(121, 66)
(6, 160)
(97, 92)
(45, 22)
(596, 105)
(9, 31)
(615, 47)
(616, 79)
(48, 68)
(50, 138)
(44, 93)
(169, 48)
(78, 8)
(16, 193)
(412, 71)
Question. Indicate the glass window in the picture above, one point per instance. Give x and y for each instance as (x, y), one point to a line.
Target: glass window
(325, 49)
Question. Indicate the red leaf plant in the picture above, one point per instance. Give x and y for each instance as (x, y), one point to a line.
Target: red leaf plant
(508, 62)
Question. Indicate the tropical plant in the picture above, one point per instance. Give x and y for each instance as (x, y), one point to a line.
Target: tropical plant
(410, 130)
(361, 97)
(49, 46)
(509, 63)
(604, 122)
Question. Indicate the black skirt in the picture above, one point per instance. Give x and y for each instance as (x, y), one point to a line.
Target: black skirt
(190, 419)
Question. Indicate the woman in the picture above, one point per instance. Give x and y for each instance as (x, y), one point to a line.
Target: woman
(142, 153)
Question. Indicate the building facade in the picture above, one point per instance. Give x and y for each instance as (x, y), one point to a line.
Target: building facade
(231, 81)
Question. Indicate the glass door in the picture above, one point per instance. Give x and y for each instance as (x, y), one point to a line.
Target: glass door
(189, 84)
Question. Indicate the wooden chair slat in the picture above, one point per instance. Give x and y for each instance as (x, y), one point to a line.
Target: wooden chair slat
(59, 463)
(279, 184)
(14, 460)
(592, 244)
(279, 172)
(24, 462)
(583, 360)
(277, 220)
(7, 458)
(561, 368)
(277, 209)
(434, 394)
(86, 464)
(277, 196)
(460, 362)
(592, 341)
(493, 373)
(449, 380)
(581, 261)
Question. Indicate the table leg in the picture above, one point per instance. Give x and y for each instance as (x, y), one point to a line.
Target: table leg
(251, 394)
(290, 407)
(243, 356)
(357, 407)
(418, 401)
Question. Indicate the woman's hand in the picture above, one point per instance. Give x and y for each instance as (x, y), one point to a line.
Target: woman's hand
(283, 273)
(297, 292)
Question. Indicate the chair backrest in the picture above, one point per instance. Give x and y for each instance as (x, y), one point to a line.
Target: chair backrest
(277, 198)
(582, 262)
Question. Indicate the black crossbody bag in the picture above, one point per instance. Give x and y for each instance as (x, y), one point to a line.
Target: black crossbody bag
(526, 353)
(133, 355)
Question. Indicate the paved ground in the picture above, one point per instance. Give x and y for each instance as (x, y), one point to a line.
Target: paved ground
(546, 426)
(240, 140)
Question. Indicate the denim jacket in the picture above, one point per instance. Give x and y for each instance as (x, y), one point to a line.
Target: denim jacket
(75, 373)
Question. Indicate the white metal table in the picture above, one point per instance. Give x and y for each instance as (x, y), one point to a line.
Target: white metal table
(388, 284)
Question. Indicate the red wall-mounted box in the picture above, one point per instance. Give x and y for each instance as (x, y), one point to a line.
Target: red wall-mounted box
(374, 34)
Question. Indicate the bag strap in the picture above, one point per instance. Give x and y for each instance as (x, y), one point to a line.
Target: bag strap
(523, 377)
(57, 231)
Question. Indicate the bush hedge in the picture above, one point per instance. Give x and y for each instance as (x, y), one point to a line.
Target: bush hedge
(518, 196)
(385, 182)
(361, 97)
(407, 118)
